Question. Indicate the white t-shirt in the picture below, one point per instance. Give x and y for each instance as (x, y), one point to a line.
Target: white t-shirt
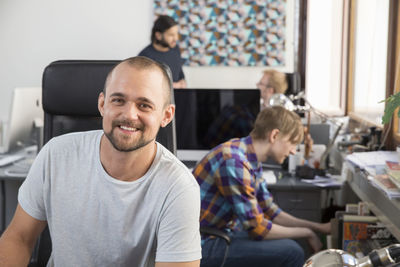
(97, 220)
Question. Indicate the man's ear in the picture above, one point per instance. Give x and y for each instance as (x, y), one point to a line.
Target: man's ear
(100, 103)
(270, 90)
(158, 35)
(273, 135)
(169, 112)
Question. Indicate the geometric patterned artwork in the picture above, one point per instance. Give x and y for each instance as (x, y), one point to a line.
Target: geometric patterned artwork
(230, 32)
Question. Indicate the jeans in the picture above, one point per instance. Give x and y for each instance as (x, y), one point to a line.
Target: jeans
(244, 252)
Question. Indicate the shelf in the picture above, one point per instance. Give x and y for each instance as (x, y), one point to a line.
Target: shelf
(387, 210)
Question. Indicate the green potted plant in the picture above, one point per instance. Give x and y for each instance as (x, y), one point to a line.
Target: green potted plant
(392, 102)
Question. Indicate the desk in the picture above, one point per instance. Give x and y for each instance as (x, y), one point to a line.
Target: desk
(385, 209)
(300, 199)
(10, 184)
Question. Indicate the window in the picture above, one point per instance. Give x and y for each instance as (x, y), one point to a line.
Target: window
(370, 42)
(326, 23)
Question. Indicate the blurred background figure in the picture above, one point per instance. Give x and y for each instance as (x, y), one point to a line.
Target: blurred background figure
(272, 82)
(164, 48)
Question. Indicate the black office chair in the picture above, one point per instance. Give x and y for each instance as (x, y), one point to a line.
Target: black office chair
(70, 93)
(205, 230)
(294, 83)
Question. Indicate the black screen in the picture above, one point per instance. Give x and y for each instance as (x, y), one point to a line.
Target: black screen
(208, 117)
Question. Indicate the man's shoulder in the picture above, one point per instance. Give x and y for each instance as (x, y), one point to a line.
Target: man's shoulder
(147, 50)
(173, 170)
(175, 49)
(221, 154)
(71, 140)
(228, 154)
(232, 147)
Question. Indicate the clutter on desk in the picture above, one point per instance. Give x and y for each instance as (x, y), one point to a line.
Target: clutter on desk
(307, 172)
(307, 168)
(9, 159)
(370, 140)
(371, 159)
(19, 163)
(325, 181)
(388, 180)
(19, 168)
(269, 176)
(314, 157)
(382, 169)
(384, 183)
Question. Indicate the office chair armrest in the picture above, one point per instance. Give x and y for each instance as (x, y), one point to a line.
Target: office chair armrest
(215, 232)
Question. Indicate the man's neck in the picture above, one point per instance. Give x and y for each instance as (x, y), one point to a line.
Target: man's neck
(160, 48)
(261, 149)
(126, 166)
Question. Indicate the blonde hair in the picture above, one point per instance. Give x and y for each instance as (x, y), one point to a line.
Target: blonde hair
(277, 80)
(287, 122)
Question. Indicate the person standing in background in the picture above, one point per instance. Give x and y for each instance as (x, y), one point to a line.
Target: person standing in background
(164, 48)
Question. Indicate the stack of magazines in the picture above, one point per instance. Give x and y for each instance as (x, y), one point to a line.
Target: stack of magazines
(389, 181)
(385, 183)
(393, 170)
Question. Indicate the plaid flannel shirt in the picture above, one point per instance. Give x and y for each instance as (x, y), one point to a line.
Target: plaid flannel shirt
(233, 191)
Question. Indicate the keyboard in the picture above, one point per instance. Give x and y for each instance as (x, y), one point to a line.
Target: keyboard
(8, 159)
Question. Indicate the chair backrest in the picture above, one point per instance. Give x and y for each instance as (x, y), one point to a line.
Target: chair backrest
(70, 92)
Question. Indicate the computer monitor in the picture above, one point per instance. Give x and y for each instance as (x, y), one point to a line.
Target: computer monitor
(206, 118)
(26, 109)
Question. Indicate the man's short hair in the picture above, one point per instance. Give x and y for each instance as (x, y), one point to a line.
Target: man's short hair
(145, 63)
(277, 80)
(287, 122)
(162, 24)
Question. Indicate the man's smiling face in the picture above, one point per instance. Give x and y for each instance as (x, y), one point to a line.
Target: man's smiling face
(134, 107)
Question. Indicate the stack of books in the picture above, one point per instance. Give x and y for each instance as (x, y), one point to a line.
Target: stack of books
(360, 232)
(386, 184)
(392, 169)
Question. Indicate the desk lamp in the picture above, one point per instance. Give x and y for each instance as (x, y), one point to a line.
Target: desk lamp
(386, 256)
(286, 102)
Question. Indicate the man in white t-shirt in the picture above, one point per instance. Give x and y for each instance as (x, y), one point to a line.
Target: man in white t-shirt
(114, 197)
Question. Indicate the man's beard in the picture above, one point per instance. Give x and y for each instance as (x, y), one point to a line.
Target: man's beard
(163, 43)
(123, 147)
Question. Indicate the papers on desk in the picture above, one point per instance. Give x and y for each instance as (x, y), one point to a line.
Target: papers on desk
(334, 180)
(374, 163)
(9, 159)
(20, 168)
(383, 182)
(269, 176)
(370, 159)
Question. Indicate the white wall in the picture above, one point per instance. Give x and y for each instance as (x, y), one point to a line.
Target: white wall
(35, 33)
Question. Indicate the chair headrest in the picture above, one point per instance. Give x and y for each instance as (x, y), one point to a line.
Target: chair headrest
(72, 87)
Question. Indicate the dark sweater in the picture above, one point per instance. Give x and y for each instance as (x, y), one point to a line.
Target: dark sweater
(172, 58)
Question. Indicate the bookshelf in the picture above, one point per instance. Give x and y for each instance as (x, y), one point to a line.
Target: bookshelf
(387, 210)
